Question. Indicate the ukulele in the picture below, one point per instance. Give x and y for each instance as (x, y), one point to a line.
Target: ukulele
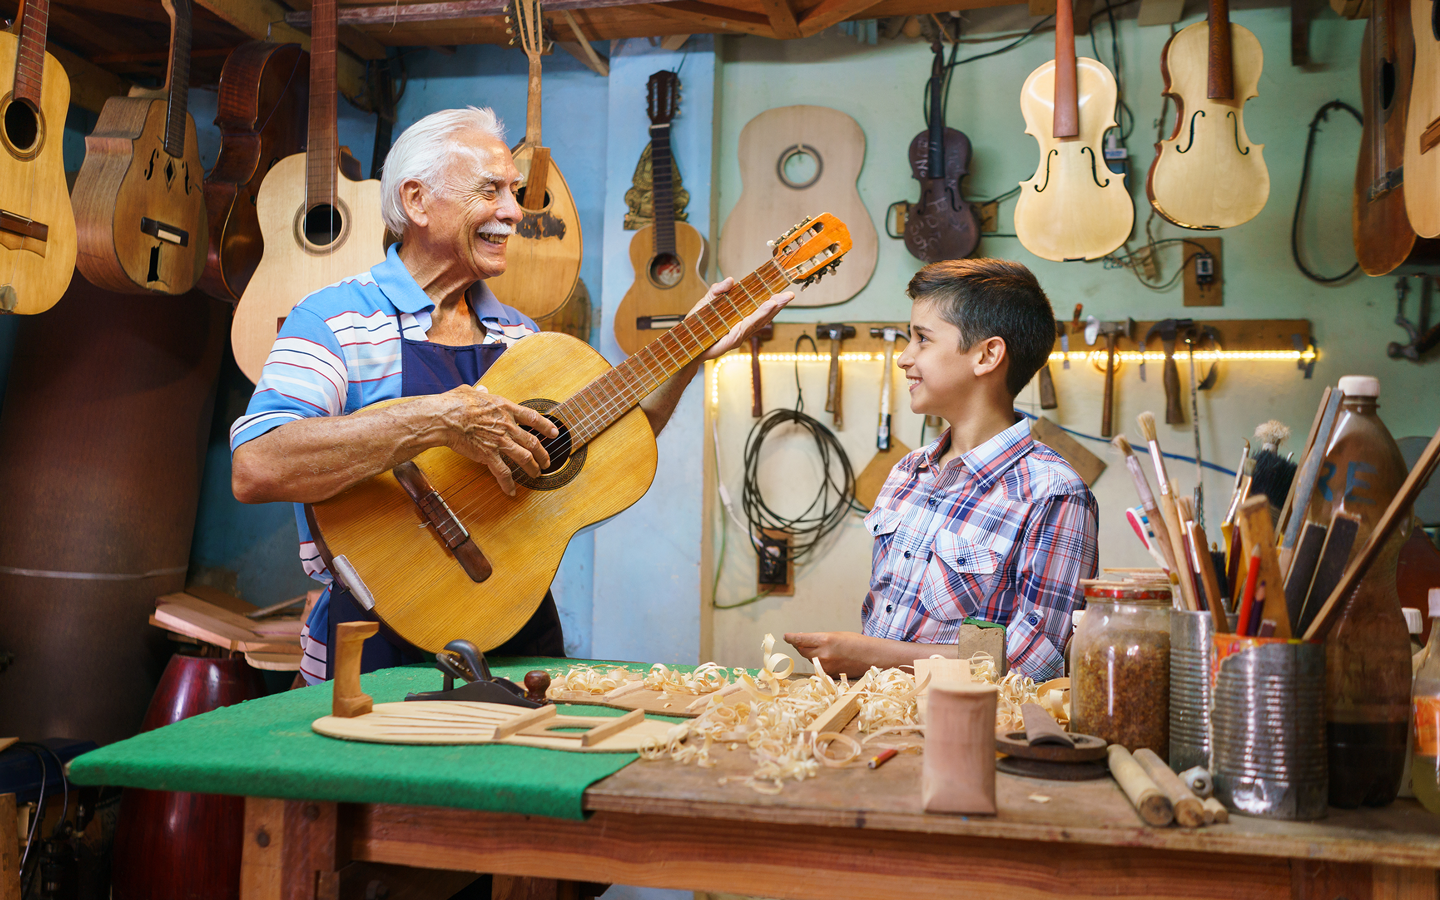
(139, 198)
(543, 256)
(668, 253)
(774, 193)
(1422, 123)
(1384, 240)
(261, 117)
(37, 227)
(942, 225)
(1074, 207)
(318, 226)
(1207, 174)
(439, 552)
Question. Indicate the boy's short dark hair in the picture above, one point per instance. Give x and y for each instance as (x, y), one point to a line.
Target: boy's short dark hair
(987, 298)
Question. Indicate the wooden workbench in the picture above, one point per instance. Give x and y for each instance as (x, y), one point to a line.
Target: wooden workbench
(853, 833)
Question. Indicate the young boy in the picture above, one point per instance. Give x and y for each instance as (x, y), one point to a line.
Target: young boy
(985, 522)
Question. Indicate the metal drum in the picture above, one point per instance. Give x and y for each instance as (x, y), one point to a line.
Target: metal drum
(1268, 723)
(1191, 652)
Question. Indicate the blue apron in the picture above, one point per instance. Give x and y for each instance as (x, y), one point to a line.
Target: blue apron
(427, 368)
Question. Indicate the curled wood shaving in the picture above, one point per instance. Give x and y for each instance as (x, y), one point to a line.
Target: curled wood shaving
(1017, 690)
(581, 682)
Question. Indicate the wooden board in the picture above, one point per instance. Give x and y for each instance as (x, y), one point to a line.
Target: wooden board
(1086, 464)
(196, 618)
(459, 722)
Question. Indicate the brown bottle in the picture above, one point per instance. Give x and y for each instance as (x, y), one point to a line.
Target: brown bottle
(1367, 653)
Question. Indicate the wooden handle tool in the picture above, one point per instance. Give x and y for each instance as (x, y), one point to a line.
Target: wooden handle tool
(1297, 501)
(833, 403)
(1206, 564)
(347, 700)
(1047, 388)
(1330, 567)
(1174, 530)
(757, 408)
(1256, 532)
(1189, 810)
(1147, 502)
(1149, 801)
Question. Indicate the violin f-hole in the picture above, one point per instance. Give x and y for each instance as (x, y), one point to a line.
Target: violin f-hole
(1235, 120)
(1094, 175)
(1191, 142)
(1049, 156)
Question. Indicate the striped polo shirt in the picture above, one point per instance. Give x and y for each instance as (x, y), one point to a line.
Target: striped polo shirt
(339, 351)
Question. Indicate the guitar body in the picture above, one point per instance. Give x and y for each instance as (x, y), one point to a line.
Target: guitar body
(1074, 207)
(128, 179)
(768, 205)
(1207, 174)
(35, 273)
(261, 116)
(406, 567)
(665, 285)
(293, 267)
(1422, 123)
(542, 258)
(942, 225)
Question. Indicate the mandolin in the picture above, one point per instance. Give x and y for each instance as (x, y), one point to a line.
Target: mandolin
(1422, 123)
(942, 225)
(318, 225)
(1208, 174)
(667, 256)
(139, 198)
(439, 552)
(37, 227)
(543, 256)
(1074, 207)
(261, 117)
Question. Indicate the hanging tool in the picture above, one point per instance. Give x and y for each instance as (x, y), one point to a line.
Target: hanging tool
(1076, 327)
(1199, 336)
(1423, 336)
(1169, 330)
(836, 332)
(891, 451)
(757, 409)
(1047, 382)
(1112, 332)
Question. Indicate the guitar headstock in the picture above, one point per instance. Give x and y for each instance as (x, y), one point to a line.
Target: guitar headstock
(662, 97)
(525, 23)
(811, 249)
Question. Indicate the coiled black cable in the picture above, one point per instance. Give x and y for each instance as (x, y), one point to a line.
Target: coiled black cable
(1321, 115)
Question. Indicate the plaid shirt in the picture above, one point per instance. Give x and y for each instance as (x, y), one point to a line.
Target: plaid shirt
(1003, 533)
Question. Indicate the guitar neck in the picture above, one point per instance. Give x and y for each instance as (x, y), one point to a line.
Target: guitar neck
(1067, 100)
(612, 395)
(1220, 84)
(532, 102)
(33, 20)
(322, 151)
(663, 174)
(178, 78)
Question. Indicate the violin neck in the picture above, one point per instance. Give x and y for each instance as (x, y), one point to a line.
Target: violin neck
(936, 155)
(1067, 101)
(1220, 84)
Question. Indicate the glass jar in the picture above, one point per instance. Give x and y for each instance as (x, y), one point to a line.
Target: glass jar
(1120, 683)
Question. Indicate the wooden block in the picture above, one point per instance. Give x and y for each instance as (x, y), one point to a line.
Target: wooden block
(973, 639)
(1334, 557)
(1211, 294)
(523, 721)
(840, 712)
(609, 729)
(347, 700)
(1086, 464)
(1302, 569)
(939, 668)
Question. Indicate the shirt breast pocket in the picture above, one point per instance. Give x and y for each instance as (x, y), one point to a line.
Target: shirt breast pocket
(962, 577)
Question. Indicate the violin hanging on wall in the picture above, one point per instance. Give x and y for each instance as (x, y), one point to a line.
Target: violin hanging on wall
(1074, 207)
(941, 225)
(1208, 174)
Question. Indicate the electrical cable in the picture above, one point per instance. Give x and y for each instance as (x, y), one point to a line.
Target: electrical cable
(1099, 440)
(1321, 115)
(35, 822)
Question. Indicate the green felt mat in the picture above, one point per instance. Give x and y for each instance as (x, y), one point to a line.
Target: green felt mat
(266, 748)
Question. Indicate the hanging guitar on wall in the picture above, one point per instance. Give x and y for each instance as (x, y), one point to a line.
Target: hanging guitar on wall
(1422, 122)
(37, 226)
(774, 195)
(319, 226)
(1208, 174)
(668, 255)
(1074, 207)
(139, 198)
(941, 225)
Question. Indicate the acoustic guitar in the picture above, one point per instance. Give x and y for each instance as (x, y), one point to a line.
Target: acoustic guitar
(667, 256)
(139, 198)
(1422, 123)
(1384, 240)
(942, 225)
(319, 226)
(439, 552)
(1208, 174)
(37, 227)
(542, 258)
(261, 116)
(1074, 207)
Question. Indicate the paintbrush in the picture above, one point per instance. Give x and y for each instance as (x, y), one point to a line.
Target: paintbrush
(1168, 511)
(1227, 521)
(1273, 475)
(1147, 502)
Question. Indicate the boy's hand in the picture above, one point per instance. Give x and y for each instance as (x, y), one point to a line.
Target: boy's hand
(839, 652)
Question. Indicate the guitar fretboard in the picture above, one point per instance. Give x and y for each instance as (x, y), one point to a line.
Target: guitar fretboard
(30, 56)
(615, 393)
(178, 80)
(663, 176)
(321, 147)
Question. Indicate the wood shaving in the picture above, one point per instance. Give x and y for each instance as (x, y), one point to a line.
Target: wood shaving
(582, 682)
(1017, 690)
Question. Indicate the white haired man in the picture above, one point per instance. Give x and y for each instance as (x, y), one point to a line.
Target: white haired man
(421, 325)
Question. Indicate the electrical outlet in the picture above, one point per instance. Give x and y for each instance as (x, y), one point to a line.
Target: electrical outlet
(1204, 281)
(776, 570)
(989, 214)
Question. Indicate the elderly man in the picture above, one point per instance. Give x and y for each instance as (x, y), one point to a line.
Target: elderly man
(422, 324)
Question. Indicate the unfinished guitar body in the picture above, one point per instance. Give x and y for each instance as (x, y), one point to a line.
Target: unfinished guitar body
(542, 258)
(139, 211)
(419, 588)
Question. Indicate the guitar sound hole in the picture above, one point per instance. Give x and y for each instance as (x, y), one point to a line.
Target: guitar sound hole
(666, 270)
(558, 447)
(520, 198)
(322, 225)
(1387, 84)
(22, 126)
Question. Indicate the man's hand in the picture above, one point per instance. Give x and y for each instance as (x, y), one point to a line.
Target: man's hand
(740, 333)
(487, 429)
(839, 652)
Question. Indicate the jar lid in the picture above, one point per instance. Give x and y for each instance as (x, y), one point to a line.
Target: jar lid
(1360, 386)
(1124, 590)
(1413, 620)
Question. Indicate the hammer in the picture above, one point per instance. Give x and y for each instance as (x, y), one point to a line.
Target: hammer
(1113, 331)
(836, 332)
(760, 334)
(1169, 330)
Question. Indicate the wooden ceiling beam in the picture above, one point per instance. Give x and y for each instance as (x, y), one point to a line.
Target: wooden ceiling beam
(265, 20)
(712, 18)
(392, 14)
(90, 85)
(782, 18)
(832, 12)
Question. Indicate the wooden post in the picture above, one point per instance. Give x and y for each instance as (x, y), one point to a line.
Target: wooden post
(349, 701)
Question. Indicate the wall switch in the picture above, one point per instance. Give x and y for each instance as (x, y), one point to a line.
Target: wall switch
(1204, 281)
(775, 573)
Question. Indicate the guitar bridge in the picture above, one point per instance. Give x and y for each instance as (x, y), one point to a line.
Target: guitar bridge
(164, 232)
(1387, 182)
(447, 527)
(20, 226)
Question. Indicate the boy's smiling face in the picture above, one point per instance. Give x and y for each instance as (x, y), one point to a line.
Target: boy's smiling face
(943, 379)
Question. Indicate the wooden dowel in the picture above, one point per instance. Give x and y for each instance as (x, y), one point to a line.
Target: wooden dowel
(1149, 801)
(611, 728)
(1189, 811)
(1209, 578)
(1216, 812)
(1256, 531)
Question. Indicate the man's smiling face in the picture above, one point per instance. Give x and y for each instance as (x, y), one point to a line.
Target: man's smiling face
(475, 208)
